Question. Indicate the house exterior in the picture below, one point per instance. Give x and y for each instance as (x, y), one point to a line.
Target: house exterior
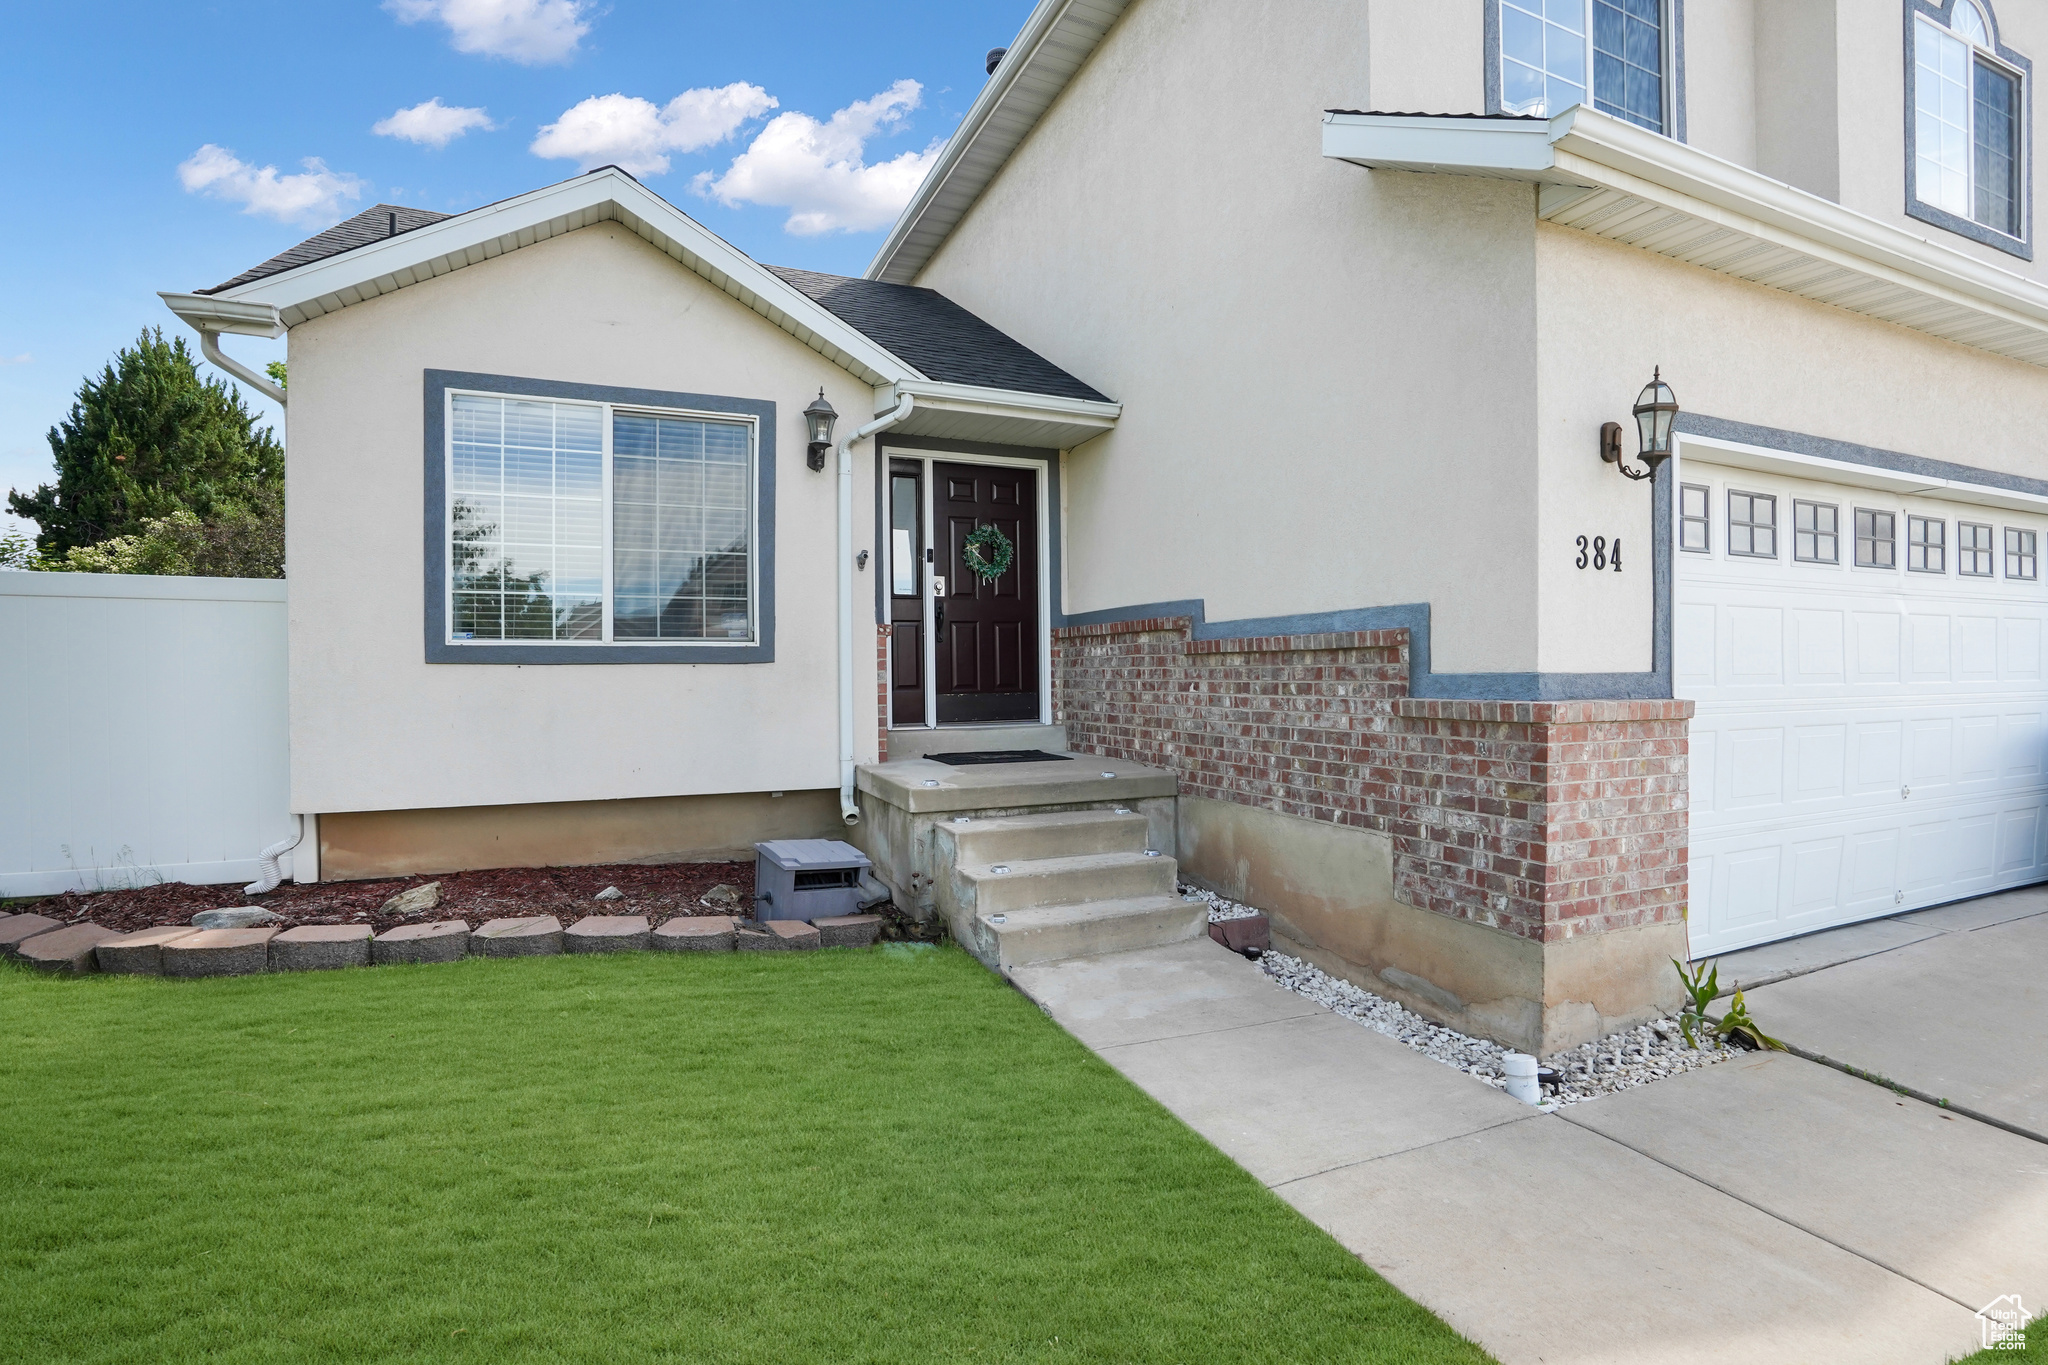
(1278, 340)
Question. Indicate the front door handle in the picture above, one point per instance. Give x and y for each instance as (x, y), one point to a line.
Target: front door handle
(938, 606)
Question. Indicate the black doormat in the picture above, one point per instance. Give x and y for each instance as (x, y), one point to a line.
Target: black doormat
(1000, 756)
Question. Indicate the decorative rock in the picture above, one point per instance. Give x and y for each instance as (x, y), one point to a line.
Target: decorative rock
(69, 949)
(1243, 933)
(235, 917)
(219, 952)
(695, 934)
(722, 898)
(443, 940)
(139, 953)
(607, 934)
(531, 936)
(416, 901)
(320, 947)
(777, 935)
(847, 931)
(20, 928)
(610, 893)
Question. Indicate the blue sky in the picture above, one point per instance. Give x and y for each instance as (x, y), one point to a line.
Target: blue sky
(159, 146)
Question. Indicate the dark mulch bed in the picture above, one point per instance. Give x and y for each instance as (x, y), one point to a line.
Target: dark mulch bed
(659, 892)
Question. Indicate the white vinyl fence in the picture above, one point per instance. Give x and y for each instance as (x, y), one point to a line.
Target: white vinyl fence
(142, 730)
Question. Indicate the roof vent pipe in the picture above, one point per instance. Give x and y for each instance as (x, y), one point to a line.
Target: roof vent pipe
(995, 59)
(392, 226)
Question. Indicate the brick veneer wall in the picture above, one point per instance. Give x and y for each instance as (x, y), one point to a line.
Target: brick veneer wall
(1545, 819)
(882, 695)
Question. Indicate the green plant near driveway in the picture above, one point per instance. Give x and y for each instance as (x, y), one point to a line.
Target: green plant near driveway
(860, 1156)
(2036, 1352)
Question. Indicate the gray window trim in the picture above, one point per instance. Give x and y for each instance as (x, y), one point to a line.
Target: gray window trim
(1835, 535)
(2032, 553)
(1891, 540)
(1923, 545)
(438, 648)
(1674, 50)
(2021, 246)
(1706, 521)
(1730, 523)
(1992, 549)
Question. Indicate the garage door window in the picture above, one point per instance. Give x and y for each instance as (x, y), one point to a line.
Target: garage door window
(1694, 528)
(2020, 560)
(1876, 539)
(1753, 525)
(1926, 545)
(1816, 532)
(1974, 555)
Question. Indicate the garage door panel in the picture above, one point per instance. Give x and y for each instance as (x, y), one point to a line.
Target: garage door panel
(1756, 646)
(2020, 649)
(1866, 741)
(1877, 647)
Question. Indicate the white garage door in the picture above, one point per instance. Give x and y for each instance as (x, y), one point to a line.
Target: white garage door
(1868, 670)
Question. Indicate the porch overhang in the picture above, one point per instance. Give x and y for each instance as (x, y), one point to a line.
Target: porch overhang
(1605, 176)
(965, 412)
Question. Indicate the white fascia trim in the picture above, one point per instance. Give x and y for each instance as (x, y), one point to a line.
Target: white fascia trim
(208, 313)
(1712, 450)
(366, 272)
(933, 395)
(1586, 148)
(1048, 50)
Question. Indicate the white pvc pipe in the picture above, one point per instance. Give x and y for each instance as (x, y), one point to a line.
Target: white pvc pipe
(209, 346)
(1520, 1070)
(268, 874)
(848, 810)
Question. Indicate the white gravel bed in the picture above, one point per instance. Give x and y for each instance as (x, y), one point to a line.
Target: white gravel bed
(1620, 1061)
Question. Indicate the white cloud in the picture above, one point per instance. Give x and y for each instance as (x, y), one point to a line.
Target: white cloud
(432, 124)
(816, 170)
(315, 194)
(530, 32)
(623, 130)
(23, 359)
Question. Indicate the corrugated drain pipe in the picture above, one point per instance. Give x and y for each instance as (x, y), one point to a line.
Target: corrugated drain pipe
(268, 874)
(848, 810)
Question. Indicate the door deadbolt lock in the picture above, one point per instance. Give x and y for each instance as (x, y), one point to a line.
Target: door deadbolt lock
(938, 586)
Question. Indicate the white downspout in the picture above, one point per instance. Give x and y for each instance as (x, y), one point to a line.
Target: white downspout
(848, 811)
(209, 346)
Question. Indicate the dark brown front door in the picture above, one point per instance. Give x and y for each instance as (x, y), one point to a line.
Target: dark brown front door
(987, 650)
(907, 575)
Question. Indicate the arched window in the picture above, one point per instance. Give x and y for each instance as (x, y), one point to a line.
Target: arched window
(1554, 53)
(1967, 120)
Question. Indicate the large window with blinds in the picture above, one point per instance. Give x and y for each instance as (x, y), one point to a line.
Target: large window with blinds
(597, 523)
(1966, 164)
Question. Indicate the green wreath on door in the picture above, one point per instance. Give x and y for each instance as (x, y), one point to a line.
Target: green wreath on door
(988, 553)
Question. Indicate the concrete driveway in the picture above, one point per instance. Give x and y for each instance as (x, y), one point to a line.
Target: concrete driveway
(1950, 1003)
(1769, 1208)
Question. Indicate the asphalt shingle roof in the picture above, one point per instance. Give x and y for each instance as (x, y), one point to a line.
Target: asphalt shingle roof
(944, 340)
(371, 225)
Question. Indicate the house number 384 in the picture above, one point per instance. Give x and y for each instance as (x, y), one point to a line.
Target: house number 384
(1598, 554)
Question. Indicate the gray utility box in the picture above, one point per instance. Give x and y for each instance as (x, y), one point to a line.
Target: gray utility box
(807, 879)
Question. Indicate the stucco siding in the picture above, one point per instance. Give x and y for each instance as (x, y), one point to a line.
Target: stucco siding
(375, 727)
(1328, 376)
(1740, 352)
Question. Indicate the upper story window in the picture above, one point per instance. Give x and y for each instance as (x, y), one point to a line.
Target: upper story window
(1553, 51)
(1966, 163)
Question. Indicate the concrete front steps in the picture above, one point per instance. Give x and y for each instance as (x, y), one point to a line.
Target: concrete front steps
(1024, 890)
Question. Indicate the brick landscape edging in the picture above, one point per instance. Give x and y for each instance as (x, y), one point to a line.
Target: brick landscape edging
(1545, 819)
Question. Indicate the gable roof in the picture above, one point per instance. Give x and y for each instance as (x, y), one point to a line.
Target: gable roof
(1057, 38)
(1005, 393)
(371, 225)
(937, 335)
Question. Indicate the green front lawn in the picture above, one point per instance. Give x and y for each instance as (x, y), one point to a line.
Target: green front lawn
(884, 1155)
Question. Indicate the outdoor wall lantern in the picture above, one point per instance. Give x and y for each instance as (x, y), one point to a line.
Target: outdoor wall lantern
(820, 416)
(1656, 406)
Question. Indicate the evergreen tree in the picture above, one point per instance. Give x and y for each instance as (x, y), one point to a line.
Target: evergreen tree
(146, 440)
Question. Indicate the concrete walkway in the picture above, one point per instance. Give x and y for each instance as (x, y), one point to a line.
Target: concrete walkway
(1764, 1209)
